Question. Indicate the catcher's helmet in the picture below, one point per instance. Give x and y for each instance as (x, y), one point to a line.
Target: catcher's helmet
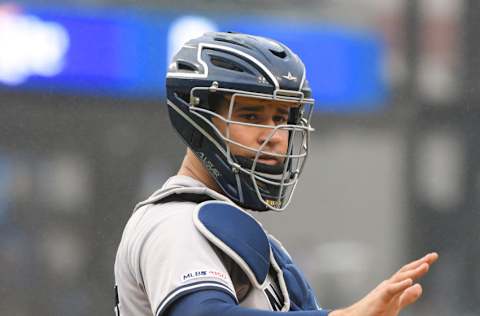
(240, 66)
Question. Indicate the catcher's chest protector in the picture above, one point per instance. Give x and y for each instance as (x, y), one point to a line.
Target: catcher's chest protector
(238, 236)
(243, 239)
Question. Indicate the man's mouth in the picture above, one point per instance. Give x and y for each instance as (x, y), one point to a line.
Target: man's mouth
(268, 160)
(264, 164)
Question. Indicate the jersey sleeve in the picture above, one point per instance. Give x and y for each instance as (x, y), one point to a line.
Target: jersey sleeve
(214, 303)
(171, 258)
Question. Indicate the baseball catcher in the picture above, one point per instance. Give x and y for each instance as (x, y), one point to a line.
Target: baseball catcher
(242, 105)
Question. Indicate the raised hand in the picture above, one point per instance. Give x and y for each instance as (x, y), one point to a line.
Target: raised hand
(391, 296)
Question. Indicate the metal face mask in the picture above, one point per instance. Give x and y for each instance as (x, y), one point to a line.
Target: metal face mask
(264, 138)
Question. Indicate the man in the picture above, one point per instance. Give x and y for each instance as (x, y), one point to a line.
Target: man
(242, 105)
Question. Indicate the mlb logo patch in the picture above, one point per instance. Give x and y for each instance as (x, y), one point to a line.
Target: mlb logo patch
(198, 274)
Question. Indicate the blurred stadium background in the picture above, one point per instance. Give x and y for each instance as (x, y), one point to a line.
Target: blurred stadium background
(394, 168)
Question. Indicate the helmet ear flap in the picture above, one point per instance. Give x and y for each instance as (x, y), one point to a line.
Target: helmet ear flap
(196, 140)
(192, 136)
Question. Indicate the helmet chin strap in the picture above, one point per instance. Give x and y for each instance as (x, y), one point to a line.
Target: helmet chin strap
(247, 163)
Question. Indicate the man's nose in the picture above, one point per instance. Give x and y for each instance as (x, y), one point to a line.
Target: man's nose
(272, 136)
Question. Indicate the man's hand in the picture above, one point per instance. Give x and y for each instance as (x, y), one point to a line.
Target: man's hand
(392, 295)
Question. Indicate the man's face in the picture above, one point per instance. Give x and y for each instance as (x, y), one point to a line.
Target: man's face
(256, 111)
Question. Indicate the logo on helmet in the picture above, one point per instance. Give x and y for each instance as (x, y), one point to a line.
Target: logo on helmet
(262, 80)
(208, 164)
(290, 77)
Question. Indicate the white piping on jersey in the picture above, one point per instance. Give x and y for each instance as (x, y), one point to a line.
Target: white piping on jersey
(227, 49)
(163, 193)
(172, 296)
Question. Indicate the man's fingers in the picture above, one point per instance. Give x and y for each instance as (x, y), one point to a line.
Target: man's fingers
(411, 274)
(391, 289)
(428, 258)
(410, 295)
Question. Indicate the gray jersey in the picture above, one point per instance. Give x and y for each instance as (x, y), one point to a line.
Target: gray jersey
(163, 256)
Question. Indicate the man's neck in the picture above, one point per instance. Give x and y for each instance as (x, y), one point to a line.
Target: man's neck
(193, 167)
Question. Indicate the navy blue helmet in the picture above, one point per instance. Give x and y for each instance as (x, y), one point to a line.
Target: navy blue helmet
(215, 65)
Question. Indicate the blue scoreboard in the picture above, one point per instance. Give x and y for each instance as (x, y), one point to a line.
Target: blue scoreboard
(126, 53)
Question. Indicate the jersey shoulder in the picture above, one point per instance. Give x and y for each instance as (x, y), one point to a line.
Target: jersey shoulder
(151, 223)
(164, 254)
(170, 218)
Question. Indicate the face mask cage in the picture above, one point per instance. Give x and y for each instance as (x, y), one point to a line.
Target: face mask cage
(273, 185)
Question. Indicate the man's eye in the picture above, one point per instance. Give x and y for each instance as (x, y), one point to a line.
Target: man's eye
(249, 117)
(279, 119)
